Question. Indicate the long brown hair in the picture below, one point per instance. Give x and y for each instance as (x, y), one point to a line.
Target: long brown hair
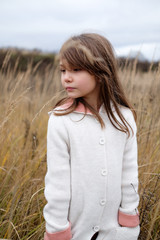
(94, 53)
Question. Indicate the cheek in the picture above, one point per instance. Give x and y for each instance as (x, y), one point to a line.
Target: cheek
(82, 84)
(89, 85)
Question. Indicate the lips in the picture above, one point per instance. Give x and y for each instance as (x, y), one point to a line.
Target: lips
(69, 88)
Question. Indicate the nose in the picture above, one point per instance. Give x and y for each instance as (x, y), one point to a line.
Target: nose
(67, 77)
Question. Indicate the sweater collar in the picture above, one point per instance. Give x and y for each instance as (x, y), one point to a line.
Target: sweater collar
(79, 109)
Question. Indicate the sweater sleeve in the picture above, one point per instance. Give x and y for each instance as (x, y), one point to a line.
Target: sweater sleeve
(128, 214)
(57, 181)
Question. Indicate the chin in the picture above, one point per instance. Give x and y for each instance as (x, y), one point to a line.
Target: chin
(73, 96)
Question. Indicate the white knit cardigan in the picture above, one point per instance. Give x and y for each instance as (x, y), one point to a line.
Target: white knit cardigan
(92, 178)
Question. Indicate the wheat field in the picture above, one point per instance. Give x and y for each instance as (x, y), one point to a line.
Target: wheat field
(25, 99)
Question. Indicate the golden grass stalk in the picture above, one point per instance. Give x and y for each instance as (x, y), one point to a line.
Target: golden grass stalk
(25, 99)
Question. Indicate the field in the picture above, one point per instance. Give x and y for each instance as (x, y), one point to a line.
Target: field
(25, 98)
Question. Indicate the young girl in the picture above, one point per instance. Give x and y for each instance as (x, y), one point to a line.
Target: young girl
(92, 179)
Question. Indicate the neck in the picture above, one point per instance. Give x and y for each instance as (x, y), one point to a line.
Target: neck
(96, 104)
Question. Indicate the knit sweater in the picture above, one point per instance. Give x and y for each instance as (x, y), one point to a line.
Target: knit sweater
(91, 183)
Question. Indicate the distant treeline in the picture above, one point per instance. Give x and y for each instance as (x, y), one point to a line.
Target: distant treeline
(20, 60)
(143, 66)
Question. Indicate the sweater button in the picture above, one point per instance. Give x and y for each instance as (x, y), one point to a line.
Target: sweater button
(102, 202)
(96, 228)
(104, 172)
(101, 141)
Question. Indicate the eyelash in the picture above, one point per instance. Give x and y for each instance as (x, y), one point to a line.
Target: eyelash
(75, 70)
(62, 70)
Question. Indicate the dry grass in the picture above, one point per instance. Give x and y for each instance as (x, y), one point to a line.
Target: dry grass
(25, 99)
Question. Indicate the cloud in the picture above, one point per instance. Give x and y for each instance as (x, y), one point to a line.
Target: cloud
(151, 51)
(46, 24)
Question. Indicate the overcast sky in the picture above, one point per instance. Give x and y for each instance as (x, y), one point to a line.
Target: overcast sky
(46, 24)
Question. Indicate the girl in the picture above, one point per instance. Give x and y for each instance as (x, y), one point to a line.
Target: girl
(92, 178)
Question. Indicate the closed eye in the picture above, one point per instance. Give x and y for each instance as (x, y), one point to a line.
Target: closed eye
(76, 69)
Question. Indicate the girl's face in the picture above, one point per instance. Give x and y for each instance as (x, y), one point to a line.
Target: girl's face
(79, 83)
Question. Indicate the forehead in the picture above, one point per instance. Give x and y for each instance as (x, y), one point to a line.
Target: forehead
(64, 63)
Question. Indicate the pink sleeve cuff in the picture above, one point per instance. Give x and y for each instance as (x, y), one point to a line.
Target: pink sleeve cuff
(127, 220)
(62, 235)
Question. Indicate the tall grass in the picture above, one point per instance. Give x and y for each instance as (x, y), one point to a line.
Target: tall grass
(25, 99)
